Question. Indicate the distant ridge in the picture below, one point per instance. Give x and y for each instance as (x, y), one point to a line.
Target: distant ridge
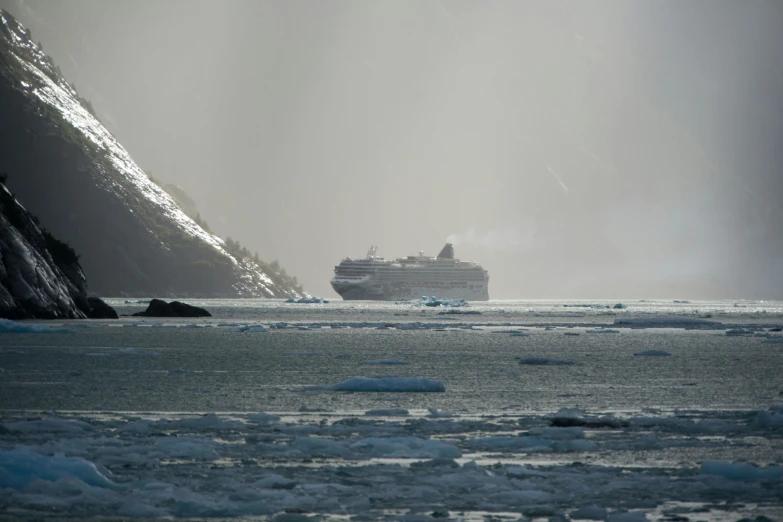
(69, 170)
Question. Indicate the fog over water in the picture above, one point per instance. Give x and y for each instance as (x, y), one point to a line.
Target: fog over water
(606, 149)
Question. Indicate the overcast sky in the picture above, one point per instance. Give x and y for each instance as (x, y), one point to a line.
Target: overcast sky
(607, 149)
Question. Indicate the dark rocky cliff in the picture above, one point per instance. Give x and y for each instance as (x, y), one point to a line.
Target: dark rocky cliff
(72, 173)
(40, 277)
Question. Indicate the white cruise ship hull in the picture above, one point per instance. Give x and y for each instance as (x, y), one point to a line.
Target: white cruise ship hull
(375, 289)
(357, 293)
(411, 277)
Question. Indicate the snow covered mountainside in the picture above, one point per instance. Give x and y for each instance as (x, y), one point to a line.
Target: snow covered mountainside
(40, 276)
(72, 173)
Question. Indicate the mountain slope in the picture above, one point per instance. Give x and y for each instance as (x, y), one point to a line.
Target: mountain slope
(132, 237)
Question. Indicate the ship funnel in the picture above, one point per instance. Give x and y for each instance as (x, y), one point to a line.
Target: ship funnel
(447, 252)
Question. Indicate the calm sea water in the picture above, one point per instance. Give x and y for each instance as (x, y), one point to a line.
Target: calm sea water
(139, 364)
(723, 364)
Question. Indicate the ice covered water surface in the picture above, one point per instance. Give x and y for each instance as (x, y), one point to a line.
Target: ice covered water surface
(698, 429)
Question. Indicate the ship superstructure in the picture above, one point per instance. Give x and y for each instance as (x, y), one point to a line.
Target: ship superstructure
(411, 277)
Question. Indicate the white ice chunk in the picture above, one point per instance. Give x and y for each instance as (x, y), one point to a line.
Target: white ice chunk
(771, 418)
(434, 301)
(8, 326)
(53, 425)
(389, 384)
(307, 300)
(20, 466)
(318, 446)
(210, 421)
(187, 448)
(435, 413)
(629, 516)
(554, 433)
(667, 322)
(249, 329)
(739, 331)
(501, 443)
(263, 418)
(588, 513)
(387, 412)
(406, 447)
(545, 361)
(740, 471)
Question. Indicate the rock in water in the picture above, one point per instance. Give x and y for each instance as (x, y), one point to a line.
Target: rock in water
(160, 308)
(100, 310)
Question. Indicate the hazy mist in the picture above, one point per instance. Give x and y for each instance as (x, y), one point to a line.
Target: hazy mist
(613, 149)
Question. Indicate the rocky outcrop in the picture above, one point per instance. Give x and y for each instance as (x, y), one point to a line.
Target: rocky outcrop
(72, 173)
(160, 308)
(40, 277)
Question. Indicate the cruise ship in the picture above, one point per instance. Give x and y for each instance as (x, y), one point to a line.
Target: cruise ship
(412, 277)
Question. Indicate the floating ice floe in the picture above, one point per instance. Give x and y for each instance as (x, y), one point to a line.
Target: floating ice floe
(249, 329)
(770, 418)
(387, 412)
(531, 443)
(389, 384)
(435, 413)
(545, 361)
(408, 326)
(263, 418)
(19, 467)
(588, 513)
(385, 361)
(8, 326)
(739, 332)
(307, 300)
(574, 417)
(668, 322)
(740, 471)
(49, 425)
(778, 339)
(652, 353)
(406, 447)
(434, 301)
(627, 516)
